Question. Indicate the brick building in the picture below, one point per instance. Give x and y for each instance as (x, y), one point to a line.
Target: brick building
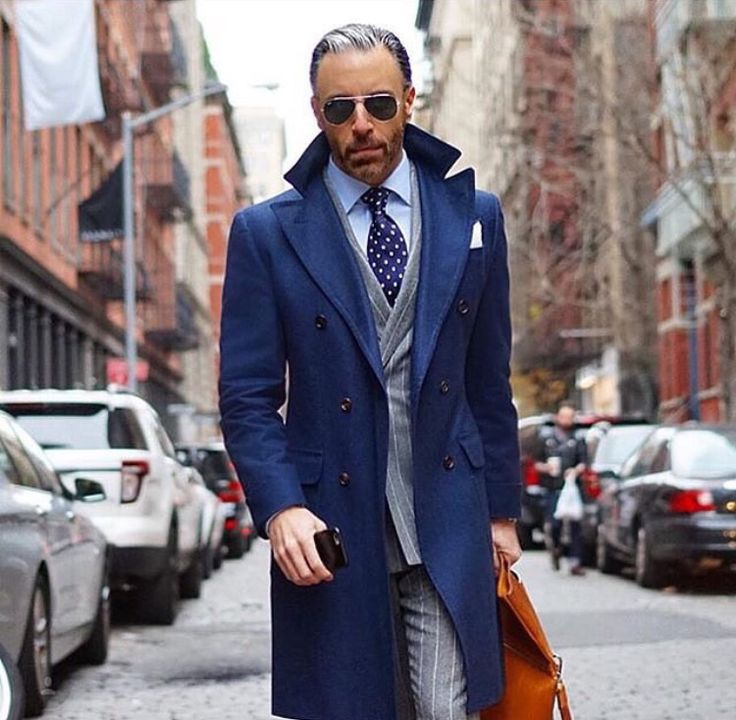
(226, 194)
(61, 314)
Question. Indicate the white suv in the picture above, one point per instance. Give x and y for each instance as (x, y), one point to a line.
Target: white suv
(152, 514)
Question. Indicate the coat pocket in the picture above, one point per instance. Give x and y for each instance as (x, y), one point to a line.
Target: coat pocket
(308, 464)
(473, 448)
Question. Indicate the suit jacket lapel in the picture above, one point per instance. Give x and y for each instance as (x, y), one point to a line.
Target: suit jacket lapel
(313, 228)
(448, 208)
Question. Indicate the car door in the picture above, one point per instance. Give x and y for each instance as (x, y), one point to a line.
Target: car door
(641, 481)
(85, 553)
(54, 523)
(21, 550)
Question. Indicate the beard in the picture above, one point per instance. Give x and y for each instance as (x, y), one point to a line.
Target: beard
(374, 169)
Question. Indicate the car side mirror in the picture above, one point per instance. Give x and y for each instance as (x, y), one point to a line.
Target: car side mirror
(88, 490)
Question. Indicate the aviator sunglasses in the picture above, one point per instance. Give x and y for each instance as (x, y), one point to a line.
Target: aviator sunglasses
(381, 106)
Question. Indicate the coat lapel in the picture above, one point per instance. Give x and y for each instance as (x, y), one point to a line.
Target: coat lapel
(313, 228)
(448, 208)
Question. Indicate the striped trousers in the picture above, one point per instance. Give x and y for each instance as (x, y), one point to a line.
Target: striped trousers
(430, 669)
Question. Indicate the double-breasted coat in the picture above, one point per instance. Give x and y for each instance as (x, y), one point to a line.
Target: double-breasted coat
(294, 297)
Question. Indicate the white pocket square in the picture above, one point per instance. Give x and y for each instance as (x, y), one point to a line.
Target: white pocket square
(476, 240)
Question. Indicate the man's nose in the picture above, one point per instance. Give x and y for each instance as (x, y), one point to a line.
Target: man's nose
(362, 122)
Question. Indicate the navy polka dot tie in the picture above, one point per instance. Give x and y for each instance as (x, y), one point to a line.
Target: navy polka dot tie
(387, 251)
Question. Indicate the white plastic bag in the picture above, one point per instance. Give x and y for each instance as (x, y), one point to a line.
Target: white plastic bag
(569, 504)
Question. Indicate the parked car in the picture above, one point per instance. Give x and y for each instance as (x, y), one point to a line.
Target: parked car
(12, 701)
(608, 446)
(219, 475)
(54, 589)
(151, 516)
(212, 530)
(674, 509)
(533, 431)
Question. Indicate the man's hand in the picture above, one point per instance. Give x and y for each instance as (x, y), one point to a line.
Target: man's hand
(292, 540)
(505, 542)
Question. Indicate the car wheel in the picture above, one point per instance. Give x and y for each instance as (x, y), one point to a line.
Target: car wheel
(208, 561)
(604, 561)
(35, 656)
(190, 581)
(158, 599)
(94, 650)
(218, 556)
(11, 688)
(648, 572)
(236, 547)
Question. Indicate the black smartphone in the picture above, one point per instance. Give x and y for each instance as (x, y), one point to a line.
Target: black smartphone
(331, 548)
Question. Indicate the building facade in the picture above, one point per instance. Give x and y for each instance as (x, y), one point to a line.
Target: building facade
(543, 120)
(61, 312)
(694, 214)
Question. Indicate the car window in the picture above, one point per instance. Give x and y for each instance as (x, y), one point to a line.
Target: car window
(7, 469)
(79, 426)
(704, 453)
(213, 463)
(163, 439)
(618, 443)
(44, 469)
(25, 473)
(640, 463)
(124, 430)
(661, 461)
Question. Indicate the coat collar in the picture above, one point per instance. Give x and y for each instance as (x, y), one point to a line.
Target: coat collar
(313, 228)
(423, 148)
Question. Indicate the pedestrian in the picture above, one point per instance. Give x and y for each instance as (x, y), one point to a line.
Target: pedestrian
(382, 284)
(563, 454)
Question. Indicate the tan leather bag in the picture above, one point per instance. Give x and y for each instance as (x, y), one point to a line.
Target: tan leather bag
(533, 671)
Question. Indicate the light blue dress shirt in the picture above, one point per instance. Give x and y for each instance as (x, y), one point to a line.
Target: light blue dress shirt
(349, 190)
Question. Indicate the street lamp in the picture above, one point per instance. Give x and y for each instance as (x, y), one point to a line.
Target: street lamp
(130, 125)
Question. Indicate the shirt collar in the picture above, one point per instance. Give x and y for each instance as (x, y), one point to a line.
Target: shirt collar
(349, 189)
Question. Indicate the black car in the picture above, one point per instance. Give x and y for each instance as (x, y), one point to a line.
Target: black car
(219, 475)
(608, 447)
(533, 432)
(674, 509)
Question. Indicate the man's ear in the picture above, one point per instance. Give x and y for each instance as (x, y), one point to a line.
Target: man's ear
(317, 113)
(411, 94)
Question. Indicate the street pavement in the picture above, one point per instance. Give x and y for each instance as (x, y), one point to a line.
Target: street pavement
(628, 652)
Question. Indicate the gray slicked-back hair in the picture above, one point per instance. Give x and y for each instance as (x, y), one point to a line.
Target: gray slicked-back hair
(358, 36)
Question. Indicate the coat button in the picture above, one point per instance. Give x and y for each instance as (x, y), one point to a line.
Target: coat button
(321, 322)
(346, 405)
(444, 387)
(463, 307)
(448, 462)
(344, 479)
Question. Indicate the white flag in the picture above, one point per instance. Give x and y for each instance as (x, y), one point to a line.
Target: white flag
(58, 62)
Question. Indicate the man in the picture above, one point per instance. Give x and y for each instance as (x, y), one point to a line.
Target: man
(400, 428)
(563, 454)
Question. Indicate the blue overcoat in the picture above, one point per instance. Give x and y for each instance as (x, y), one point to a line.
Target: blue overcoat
(294, 298)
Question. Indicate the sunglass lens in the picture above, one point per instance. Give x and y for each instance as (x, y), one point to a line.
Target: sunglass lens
(338, 111)
(382, 107)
